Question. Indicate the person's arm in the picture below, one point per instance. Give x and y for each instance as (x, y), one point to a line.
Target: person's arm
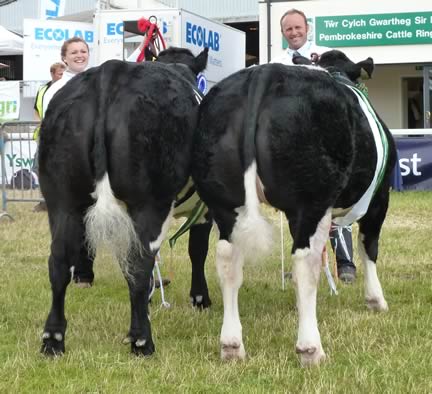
(133, 57)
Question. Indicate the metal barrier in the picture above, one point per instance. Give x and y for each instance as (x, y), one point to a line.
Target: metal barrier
(19, 182)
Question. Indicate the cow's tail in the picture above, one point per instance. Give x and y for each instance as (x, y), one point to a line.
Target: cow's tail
(252, 232)
(109, 225)
(107, 222)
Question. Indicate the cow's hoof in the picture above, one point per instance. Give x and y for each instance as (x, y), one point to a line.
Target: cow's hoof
(53, 344)
(200, 301)
(377, 304)
(233, 352)
(142, 347)
(310, 356)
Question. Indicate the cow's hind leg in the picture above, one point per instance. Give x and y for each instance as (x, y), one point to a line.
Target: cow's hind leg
(67, 231)
(229, 265)
(198, 248)
(151, 224)
(368, 238)
(309, 237)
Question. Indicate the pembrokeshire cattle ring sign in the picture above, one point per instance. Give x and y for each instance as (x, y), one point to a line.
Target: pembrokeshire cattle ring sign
(374, 29)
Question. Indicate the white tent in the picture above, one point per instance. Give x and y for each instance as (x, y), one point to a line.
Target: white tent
(10, 43)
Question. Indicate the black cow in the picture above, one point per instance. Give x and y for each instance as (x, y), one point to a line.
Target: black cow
(115, 151)
(299, 139)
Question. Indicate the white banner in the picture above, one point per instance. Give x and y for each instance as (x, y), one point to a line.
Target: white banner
(19, 151)
(52, 8)
(9, 100)
(42, 43)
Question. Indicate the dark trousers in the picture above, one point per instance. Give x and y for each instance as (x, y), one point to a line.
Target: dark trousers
(341, 242)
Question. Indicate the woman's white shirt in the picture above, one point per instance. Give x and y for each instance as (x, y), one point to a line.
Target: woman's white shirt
(54, 88)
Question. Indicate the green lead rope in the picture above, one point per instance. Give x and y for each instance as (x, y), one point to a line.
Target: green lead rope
(197, 212)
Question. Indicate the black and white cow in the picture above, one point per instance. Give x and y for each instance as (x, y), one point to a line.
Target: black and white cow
(115, 151)
(304, 141)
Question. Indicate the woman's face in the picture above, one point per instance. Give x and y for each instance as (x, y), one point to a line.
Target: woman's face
(76, 57)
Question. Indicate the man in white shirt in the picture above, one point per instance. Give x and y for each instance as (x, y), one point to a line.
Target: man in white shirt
(295, 28)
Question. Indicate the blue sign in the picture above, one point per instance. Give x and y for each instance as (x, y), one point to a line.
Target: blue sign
(201, 37)
(415, 161)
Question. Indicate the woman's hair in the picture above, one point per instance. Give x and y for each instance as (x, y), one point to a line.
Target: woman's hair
(70, 41)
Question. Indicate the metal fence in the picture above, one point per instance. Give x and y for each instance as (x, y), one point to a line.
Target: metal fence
(19, 182)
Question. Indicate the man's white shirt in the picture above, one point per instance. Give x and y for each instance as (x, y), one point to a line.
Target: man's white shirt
(306, 50)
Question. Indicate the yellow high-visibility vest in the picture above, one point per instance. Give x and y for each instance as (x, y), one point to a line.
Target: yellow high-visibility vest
(39, 108)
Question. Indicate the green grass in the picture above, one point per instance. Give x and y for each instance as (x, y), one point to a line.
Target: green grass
(367, 352)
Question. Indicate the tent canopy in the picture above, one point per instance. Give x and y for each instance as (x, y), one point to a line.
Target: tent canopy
(10, 43)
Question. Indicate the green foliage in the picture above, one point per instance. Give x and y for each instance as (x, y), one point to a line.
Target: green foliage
(368, 352)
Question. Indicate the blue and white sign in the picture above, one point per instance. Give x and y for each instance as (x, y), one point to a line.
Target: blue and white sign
(42, 44)
(50, 9)
(117, 44)
(202, 37)
(227, 46)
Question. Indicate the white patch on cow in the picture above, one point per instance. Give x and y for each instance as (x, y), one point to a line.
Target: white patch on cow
(155, 245)
(108, 224)
(373, 291)
(140, 343)
(306, 273)
(229, 264)
(251, 232)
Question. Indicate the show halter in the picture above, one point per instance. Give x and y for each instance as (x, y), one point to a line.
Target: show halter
(151, 31)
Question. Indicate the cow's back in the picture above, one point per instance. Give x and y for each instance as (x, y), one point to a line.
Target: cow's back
(144, 114)
(306, 136)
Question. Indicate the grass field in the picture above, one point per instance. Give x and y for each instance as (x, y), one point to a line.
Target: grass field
(367, 352)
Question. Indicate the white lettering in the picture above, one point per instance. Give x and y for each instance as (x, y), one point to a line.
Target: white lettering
(420, 20)
(353, 23)
(406, 168)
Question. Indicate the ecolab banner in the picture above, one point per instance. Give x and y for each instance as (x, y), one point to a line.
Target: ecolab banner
(42, 43)
(9, 100)
(227, 46)
(116, 43)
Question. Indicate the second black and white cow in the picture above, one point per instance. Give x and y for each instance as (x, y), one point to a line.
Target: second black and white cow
(115, 151)
(306, 142)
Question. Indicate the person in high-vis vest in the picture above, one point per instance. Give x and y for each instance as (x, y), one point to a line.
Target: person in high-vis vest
(56, 71)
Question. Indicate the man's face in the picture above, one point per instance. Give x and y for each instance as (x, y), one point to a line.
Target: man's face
(57, 74)
(294, 30)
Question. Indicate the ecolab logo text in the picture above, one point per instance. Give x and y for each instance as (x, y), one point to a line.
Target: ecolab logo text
(62, 34)
(202, 37)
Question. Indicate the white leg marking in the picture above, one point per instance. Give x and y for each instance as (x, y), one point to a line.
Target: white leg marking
(306, 272)
(229, 264)
(155, 245)
(373, 291)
